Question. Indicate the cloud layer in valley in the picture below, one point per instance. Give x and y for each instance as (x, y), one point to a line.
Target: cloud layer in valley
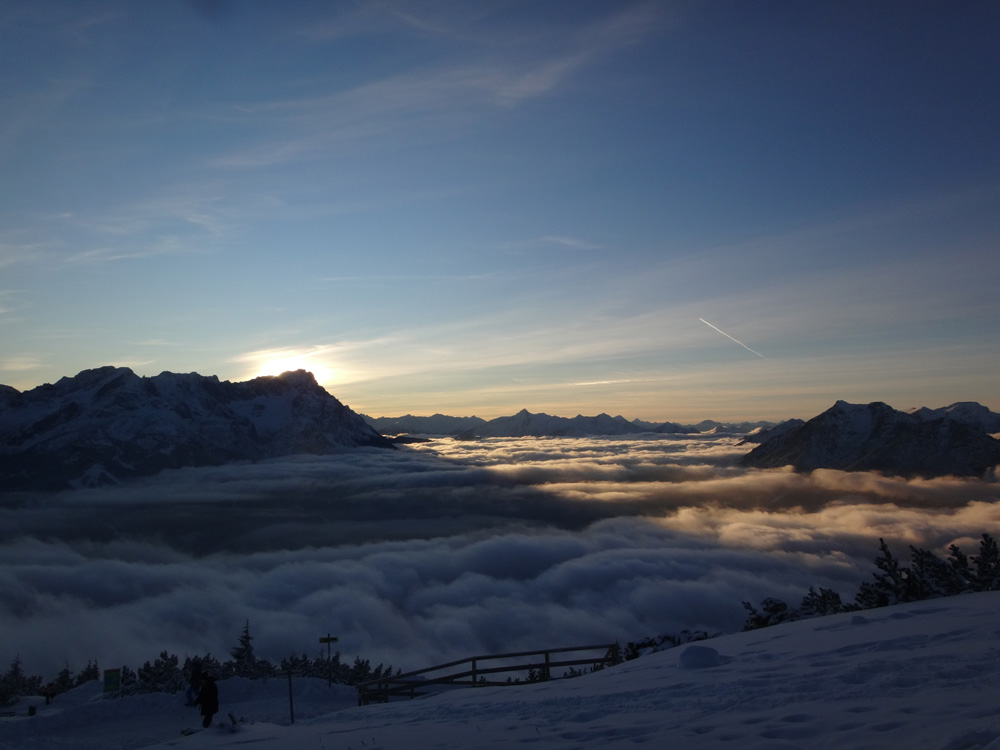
(449, 549)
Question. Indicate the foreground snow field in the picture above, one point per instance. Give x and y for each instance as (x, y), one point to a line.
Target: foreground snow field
(920, 675)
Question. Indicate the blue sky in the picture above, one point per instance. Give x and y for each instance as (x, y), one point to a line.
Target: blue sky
(477, 207)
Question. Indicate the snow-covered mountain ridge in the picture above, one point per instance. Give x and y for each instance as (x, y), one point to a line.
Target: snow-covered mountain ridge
(436, 424)
(969, 412)
(875, 437)
(108, 424)
(528, 424)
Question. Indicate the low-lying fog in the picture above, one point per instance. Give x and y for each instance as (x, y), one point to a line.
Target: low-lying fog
(449, 549)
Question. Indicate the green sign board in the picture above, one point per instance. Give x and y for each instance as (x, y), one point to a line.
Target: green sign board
(112, 680)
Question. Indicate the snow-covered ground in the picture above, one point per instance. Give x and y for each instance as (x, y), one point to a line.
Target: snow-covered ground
(921, 675)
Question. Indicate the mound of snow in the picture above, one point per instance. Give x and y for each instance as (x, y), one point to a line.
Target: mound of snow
(700, 657)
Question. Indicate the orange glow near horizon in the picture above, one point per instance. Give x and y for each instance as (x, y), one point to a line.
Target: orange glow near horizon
(280, 364)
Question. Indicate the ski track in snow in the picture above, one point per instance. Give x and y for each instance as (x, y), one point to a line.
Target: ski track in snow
(920, 675)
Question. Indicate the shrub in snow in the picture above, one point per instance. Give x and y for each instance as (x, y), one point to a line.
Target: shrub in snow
(633, 650)
(774, 612)
(820, 603)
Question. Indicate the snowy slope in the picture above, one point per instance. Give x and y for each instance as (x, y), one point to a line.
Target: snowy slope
(919, 675)
(109, 423)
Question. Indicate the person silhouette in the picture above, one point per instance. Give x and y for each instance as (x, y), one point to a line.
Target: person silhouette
(208, 699)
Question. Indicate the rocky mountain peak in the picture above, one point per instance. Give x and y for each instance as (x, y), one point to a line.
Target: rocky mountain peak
(876, 437)
(110, 422)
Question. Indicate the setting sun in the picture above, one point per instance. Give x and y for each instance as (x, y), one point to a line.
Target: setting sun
(277, 365)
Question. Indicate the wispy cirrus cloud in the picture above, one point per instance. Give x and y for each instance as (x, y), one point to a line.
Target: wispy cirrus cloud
(431, 100)
(21, 362)
(549, 242)
(188, 220)
(9, 300)
(14, 253)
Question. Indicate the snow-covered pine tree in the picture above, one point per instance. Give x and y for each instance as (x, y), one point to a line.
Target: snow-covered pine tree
(332, 669)
(774, 611)
(297, 663)
(360, 672)
(15, 676)
(958, 561)
(63, 681)
(88, 673)
(890, 586)
(244, 661)
(128, 681)
(819, 603)
(162, 676)
(17, 682)
(931, 577)
(987, 565)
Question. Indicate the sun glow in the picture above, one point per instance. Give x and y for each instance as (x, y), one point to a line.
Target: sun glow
(276, 363)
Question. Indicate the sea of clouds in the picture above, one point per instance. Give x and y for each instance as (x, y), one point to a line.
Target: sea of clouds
(449, 549)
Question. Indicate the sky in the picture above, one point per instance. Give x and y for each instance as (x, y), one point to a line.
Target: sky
(665, 210)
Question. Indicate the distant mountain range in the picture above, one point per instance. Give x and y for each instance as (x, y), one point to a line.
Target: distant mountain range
(952, 441)
(109, 424)
(436, 424)
(526, 424)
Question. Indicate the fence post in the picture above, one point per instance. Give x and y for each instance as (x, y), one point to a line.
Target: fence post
(473, 673)
(545, 674)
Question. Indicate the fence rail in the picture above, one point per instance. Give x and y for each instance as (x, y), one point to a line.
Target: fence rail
(481, 671)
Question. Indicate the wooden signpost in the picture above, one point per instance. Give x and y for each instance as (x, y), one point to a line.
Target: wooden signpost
(329, 639)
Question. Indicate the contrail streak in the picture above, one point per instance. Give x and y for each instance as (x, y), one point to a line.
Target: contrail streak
(732, 339)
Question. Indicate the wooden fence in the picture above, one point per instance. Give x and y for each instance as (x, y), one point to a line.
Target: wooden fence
(483, 671)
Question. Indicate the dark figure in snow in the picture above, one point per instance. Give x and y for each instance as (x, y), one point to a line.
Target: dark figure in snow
(193, 685)
(208, 699)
